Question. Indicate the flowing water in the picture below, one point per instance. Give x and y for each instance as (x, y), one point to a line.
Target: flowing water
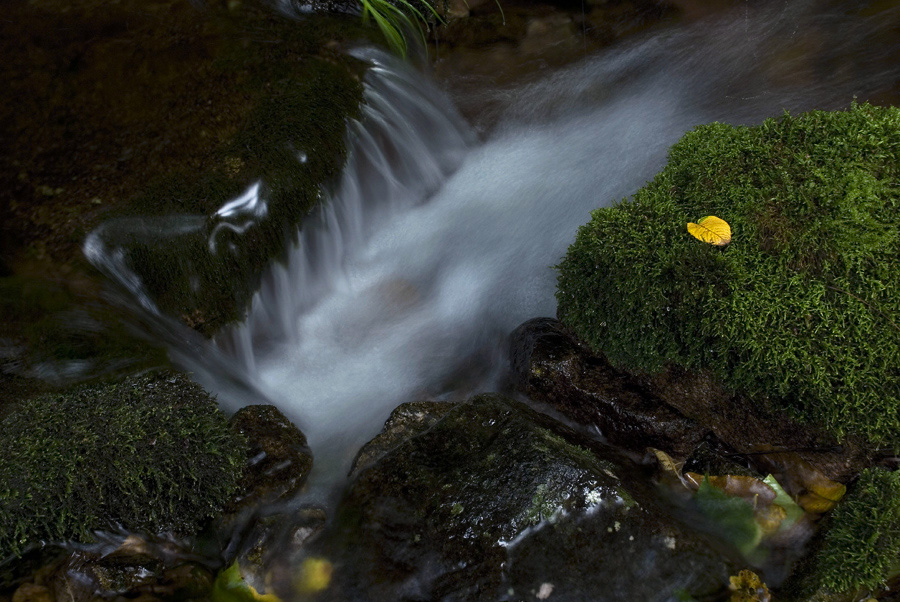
(435, 244)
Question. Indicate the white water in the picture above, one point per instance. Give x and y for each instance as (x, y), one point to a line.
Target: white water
(410, 278)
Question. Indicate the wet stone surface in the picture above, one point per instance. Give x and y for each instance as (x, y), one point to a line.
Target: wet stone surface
(439, 515)
(550, 366)
(616, 552)
(278, 458)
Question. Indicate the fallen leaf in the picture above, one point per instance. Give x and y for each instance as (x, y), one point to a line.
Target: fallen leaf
(733, 518)
(668, 470)
(230, 586)
(793, 512)
(770, 518)
(711, 229)
(315, 575)
(813, 491)
(751, 489)
(746, 586)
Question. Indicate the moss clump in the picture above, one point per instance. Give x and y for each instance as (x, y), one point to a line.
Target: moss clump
(861, 545)
(801, 308)
(151, 453)
(297, 103)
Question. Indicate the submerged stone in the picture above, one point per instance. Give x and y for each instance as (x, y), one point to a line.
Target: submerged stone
(438, 514)
(278, 458)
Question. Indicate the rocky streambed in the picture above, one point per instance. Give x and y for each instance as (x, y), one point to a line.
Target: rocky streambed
(578, 480)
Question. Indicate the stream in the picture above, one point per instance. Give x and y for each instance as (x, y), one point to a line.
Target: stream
(441, 236)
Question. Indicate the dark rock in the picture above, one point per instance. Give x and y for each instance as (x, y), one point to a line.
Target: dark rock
(620, 553)
(673, 411)
(771, 439)
(278, 458)
(549, 365)
(119, 567)
(268, 545)
(438, 515)
(712, 457)
(406, 421)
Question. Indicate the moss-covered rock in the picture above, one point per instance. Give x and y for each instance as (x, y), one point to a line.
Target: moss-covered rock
(163, 107)
(859, 546)
(150, 453)
(801, 308)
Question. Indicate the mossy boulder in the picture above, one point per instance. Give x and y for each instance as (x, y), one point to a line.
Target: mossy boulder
(150, 453)
(858, 547)
(801, 309)
(162, 108)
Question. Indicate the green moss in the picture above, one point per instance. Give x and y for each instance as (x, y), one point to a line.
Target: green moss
(289, 98)
(801, 308)
(862, 542)
(151, 453)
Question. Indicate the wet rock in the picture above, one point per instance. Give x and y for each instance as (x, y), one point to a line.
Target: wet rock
(620, 553)
(549, 365)
(674, 411)
(772, 440)
(266, 549)
(119, 568)
(406, 421)
(439, 515)
(278, 458)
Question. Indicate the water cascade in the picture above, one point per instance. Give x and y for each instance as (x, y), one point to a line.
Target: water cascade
(434, 246)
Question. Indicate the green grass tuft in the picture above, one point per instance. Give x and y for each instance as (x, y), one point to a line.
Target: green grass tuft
(396, 18)
(803, 306)
(151, 453)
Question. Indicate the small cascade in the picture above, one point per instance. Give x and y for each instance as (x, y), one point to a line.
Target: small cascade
(430, 249)
(409, 139)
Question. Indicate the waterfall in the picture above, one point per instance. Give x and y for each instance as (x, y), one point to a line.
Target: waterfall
(433, 247)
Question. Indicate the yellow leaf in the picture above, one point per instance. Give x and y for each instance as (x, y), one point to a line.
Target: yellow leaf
(315, 575)
(711, 229)
(815, 503)
(746, 586)
(230, 586)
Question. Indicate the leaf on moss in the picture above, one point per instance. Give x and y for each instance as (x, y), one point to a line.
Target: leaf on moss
(711, 229)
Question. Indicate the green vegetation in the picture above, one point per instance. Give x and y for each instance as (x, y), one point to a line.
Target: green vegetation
(801, 308)
(283, 97)
(151, 453)
(861, 542)
(395, 21)
(303, 115)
